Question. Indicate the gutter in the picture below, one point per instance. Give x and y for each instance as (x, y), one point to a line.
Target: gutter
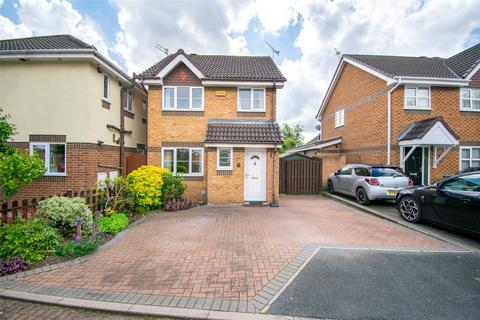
(389, 121)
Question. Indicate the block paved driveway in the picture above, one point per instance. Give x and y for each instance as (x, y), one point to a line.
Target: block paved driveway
(227, 252)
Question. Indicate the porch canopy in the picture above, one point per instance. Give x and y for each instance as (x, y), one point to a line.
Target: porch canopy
(238, 132)
(429, 132)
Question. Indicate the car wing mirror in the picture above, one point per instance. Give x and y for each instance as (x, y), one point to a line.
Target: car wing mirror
(337, 173)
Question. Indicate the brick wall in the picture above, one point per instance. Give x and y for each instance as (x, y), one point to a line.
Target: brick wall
(82, 168)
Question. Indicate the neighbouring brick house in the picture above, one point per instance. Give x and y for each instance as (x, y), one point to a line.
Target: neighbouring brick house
(211, 118)
(420, 113)
(68, 103)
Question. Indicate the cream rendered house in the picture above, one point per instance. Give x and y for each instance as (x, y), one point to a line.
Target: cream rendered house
(70, 104)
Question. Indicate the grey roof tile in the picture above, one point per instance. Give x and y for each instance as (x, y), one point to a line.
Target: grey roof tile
(225, 67)
(247, 132)
(54, 42)
(419, 129)
(398, 66)
(464, 62)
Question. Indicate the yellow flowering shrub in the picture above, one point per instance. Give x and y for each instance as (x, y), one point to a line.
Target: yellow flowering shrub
(146, 187)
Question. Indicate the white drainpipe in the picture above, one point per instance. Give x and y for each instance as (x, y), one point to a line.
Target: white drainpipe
(389, 121)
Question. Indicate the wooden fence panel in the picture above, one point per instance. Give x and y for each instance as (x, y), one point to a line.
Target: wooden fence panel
(301, 176)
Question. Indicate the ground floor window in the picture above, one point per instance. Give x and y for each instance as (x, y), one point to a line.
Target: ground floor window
(469, 157)
(53, 155)
(224, 159)
(188, 161)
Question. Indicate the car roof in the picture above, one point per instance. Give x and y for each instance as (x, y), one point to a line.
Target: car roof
(371, 165)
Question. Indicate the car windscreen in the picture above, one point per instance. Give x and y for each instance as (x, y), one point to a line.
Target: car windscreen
(386, 172)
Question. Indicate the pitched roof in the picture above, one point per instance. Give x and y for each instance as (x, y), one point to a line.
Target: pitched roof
(464, 62)
(243, 132)
(224, 67)
(397, 66)
(54, 42)
(419, 129)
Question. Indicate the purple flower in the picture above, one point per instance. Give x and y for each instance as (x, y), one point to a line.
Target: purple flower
(100, 233)
(97, 212)
(77, 239)
(79, 221)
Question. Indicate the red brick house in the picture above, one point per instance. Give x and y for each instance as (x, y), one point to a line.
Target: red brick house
(420, 113)
(212, 119)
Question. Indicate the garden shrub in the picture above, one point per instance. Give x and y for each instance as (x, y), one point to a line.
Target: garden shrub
(115, 195)
(62, 213)
(114, 223)
(31, 240)
(74, 249)
(146, 187)
(173, 186)
(13, 265)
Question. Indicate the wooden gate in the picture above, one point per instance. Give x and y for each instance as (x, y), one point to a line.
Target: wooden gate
(301, 176)
(135, 160)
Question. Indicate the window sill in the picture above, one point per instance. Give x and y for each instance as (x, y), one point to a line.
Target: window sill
(129, 114)
(337, 127)
(224, 169)
(55, 175)
(469, 110)
(183, 110)
(417, 109)
(255, 110)
(106, 100)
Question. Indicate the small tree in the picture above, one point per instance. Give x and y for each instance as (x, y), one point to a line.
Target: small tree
(292, 136)
(16, 169)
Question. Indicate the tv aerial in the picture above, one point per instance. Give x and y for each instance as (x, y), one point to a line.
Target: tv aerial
(338, 53)
(275, 52)
(162, 48)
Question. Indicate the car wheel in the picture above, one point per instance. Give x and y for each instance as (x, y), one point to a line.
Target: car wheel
(362, 196)
(410, 209)
(331, 189)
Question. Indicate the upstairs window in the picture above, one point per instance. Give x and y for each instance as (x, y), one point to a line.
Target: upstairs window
(106, 87)
(417, 98)
(186, 161)
(469, 157)
(144, 109)
(251, 100)
(339, 118)
(53, 156)
(129, 103)
(183, 98)
(470, 99)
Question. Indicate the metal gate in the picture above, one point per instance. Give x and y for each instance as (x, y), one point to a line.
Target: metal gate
(300, 176)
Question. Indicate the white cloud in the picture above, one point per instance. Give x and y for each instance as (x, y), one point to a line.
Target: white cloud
(8, 29)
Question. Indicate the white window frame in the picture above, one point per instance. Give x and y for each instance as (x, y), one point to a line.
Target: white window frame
(47, 157)
(470, 99)
(341, 119)
(190, 149)
(106, 98)
(220, 167)
(239, 109)
(128, 107)
(175, 98)
(461, 158)
(407, 107)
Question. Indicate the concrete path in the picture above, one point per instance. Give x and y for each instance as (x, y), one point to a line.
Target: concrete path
(369, 284)
(210, 261)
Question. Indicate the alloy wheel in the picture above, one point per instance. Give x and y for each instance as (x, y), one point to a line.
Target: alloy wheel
(409, 209)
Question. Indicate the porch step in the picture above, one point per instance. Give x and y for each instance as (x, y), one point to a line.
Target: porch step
(255, 203)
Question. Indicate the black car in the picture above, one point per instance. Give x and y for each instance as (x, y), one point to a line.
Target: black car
(453, 203)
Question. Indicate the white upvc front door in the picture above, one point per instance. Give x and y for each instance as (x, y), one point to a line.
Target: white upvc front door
(255, 175)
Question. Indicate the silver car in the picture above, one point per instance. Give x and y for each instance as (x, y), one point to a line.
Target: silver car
(368, 182)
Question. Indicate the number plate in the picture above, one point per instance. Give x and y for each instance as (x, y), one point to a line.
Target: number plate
(392, 192)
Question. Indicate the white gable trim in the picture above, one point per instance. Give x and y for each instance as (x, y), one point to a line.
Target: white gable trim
(180, 58)
(338, 71)
(438, 135)
(475, 70)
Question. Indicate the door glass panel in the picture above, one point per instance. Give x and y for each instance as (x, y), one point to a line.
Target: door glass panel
(346, 171)
(183, 161)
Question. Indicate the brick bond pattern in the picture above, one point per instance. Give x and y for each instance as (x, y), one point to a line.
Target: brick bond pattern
(227, 259)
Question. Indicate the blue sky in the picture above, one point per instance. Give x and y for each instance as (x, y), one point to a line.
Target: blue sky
(305, 32)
